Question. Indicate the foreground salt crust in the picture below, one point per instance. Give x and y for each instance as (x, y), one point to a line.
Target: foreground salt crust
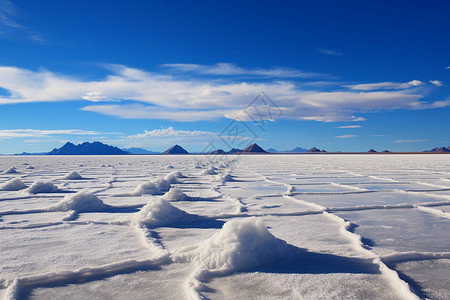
(14, 184)
(240, 245)
(158, 212)
(72, 176)
(43, 187)
(82, 201)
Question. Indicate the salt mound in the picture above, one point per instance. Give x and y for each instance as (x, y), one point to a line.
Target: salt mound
(210, 171)
(240, 245)
(159, 212)
(11, 170)
(82, 201)
(147, 188)
(174, 194)
(224, 177)
(14, 185)
(42, 187)
(162, 184)
(156, 187)
(72, 176)
(173, 177)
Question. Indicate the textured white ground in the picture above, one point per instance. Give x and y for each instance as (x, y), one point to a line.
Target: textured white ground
(248, 227)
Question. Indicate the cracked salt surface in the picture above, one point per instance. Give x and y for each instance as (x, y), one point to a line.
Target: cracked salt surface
(334, 226)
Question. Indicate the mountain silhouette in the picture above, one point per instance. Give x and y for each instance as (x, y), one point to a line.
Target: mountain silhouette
(86, 148)
(175, 150)
(254, 148)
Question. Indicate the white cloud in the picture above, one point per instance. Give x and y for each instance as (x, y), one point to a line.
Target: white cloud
(347, 136)
(96, 97)
(436, 82)
(18, 133)
(384, 85)
(330, 52)
(350, 126)
(361, 100)
(233, 70)
(409, 141)
(170, 136)
(170, 132)
(169, 97)
(139, 111)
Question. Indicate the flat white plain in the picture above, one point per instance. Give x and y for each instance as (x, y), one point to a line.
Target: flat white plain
(225, 227)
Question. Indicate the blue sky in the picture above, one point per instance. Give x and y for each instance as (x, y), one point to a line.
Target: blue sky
(337, 75)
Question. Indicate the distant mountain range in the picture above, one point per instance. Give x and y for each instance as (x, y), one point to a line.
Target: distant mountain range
(295, 150)
(86, 148)
(253, 148)
(98, 148)
(34, 153)
(141, 151)
(221, 151)
(440, 149)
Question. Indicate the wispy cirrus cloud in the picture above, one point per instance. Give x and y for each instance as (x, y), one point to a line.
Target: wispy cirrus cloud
(409, 141)
(329, 52)
(147, 95)
(347, 136)
(384, 85)
(349, 126)
(7, 14)
(9, 25)
(20, 133)
(229, 69)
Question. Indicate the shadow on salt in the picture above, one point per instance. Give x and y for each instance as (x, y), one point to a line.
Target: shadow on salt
(304, 262)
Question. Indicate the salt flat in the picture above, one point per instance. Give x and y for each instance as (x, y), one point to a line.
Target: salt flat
(225, 227)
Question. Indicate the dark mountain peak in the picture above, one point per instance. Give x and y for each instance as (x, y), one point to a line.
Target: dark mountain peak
(386, 151)
(234, 150)
(440, 149)
(314, 149)
(86, 148)
(254, 148)
(218, 151)
(372, 151)
(177, 149)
